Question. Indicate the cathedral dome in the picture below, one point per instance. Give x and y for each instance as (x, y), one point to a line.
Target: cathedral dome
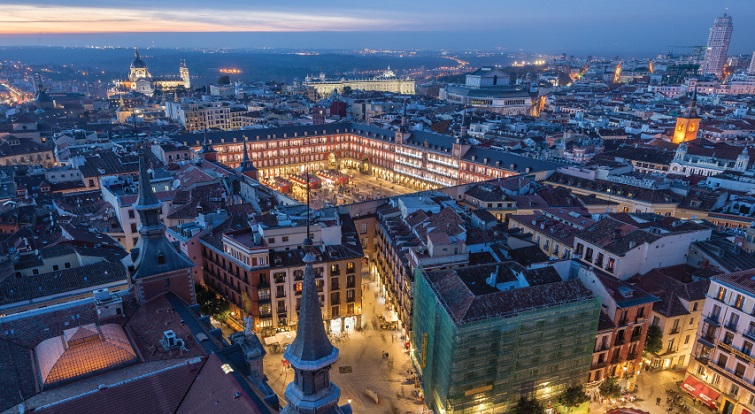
(138, 63)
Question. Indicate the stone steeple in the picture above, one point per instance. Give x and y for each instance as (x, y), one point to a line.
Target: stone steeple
(158, 267)
(311, 354)
(207, 151)
(246, 167)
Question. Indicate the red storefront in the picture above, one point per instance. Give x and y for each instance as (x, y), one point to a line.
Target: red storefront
(701, 391)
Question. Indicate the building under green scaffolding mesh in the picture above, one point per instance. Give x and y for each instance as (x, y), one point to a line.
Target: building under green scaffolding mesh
(484, 335)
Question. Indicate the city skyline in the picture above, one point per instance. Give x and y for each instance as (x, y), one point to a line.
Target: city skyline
(593, 28)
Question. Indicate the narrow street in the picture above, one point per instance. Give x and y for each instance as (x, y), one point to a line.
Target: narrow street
(362, 368)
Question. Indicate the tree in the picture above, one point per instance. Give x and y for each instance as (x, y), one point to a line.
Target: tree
(610, 388)
(528, 405)
(573, 396)
(347, 91)
(211, 304)
(654, 339)
(224, 80)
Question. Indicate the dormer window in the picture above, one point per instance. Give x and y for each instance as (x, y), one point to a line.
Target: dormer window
(160, 258)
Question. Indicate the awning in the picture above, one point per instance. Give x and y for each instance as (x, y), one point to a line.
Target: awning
(746, 412)
(699, 390)
(390, 316)
(285, 338)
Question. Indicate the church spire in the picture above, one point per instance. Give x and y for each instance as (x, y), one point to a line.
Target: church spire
(246, 167)
(147, 204)
(311, 354)
(155, 261)
(245, 158)
(207, 151)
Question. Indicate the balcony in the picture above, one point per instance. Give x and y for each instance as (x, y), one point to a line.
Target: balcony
(636, 338)
(702, 359)
(750, 333)
(598, 365)
(731, 326)
(675, 331)
(708, 340)
(713, 319)
(602, 347)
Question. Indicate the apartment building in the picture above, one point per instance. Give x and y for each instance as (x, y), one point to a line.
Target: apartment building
(258, 266)
(723, 371)
(623, 325)
(484, 335)
(415, 231)
(624, 245)
(553, 229)
(681, 290)
(417, 159)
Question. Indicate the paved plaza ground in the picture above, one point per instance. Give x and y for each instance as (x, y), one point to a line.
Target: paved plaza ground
(361, 366)
(361, 187)
(650, 386)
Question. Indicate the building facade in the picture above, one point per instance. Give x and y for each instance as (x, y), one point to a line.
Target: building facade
(718, 46)
(321, 87)
(722, 373)
(481, 339)
(416, 159)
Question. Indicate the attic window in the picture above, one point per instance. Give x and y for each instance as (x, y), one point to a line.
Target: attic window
(160, 258)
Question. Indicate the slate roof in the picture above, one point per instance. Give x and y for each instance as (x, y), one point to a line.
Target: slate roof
(726, 254)
(17, 289)
(464, 305)
(24, 146)
(17, 382)
(509, 161)
(617, 189)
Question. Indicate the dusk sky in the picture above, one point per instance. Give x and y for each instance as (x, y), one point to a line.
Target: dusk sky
(584, 26)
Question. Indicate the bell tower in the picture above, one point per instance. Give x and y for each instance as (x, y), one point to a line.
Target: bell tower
(183, 70)
(157, 267)
(688, 123)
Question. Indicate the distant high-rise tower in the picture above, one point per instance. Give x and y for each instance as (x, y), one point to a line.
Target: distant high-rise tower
(751, 69)
(718, 46)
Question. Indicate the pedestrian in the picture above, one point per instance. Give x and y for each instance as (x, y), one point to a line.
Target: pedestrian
(658, 401)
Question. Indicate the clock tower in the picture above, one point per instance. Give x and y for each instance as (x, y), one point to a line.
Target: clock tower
(688, 123)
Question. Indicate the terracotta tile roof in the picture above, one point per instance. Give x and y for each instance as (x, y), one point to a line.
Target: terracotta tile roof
(467, 299)
(744, 280)
(147, 325)
(214, 391)
(159, 392)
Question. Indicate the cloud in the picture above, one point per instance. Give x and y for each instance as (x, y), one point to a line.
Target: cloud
(33, 19)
